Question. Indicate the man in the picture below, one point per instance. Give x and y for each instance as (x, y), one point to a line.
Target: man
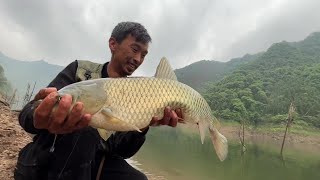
(78, 152)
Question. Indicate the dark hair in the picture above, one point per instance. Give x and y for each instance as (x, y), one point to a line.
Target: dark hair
(138, 31)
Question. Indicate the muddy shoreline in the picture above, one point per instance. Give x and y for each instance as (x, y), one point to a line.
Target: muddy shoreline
(310, 143)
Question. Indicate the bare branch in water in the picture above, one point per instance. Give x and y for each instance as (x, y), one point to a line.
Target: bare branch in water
(291, 113)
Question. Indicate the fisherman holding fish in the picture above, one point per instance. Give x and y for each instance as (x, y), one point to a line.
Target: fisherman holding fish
(64, 146)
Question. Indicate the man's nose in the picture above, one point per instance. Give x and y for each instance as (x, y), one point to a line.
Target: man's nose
(137, 58)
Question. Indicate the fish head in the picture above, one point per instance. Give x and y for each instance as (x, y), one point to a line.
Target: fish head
(91, 93)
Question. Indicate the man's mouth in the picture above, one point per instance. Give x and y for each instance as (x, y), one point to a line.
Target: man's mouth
(132, 66)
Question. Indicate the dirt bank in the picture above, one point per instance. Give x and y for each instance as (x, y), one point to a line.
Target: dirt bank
(12, 139)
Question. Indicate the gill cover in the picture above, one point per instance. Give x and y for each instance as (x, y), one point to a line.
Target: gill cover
(91, 93)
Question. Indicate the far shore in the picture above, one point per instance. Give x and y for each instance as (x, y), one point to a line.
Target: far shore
(307, 139)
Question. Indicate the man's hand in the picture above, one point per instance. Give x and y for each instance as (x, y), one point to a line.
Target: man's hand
(170, 118)
(60, 121)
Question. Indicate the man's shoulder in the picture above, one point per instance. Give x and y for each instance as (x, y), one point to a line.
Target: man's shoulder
(90, 65)
(83, 61)
(88, 70)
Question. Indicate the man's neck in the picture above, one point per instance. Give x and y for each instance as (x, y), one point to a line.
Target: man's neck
(112, 72)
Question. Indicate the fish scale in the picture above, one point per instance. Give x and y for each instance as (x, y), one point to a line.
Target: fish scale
(142, 98)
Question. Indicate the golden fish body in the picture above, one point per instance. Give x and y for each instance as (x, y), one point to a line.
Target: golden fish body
(136, 100)
(126, 104)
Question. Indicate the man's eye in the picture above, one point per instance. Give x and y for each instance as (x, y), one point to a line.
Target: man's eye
(134, 50)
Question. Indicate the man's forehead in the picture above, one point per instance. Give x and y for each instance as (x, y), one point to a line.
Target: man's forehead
(140, 44)
(135, 39)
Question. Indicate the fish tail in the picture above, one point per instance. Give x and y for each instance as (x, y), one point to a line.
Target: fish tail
(219, 142)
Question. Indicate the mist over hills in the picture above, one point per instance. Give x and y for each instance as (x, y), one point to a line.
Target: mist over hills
(20, 73)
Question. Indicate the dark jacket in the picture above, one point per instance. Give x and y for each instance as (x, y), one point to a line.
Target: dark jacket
(74, 153)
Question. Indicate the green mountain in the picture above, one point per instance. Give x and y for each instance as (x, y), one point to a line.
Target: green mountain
(262, 90)
(20, 73)
(198, 74)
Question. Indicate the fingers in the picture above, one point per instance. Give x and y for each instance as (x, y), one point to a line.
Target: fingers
(180, 115)
(44, 93)
(43, 111)
(170, 118)
(154, 121)
(58, 117)
(174, 119)
(166, 117)
(84, 121)
(74, 117)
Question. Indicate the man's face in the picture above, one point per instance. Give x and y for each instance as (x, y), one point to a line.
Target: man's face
(127, 55)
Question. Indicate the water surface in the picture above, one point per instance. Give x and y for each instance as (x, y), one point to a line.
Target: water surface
(177, 156)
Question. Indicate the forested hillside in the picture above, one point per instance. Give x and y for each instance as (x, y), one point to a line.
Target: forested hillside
(262, 90)
(5, 86)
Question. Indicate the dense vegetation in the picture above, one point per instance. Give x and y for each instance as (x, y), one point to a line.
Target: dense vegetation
(261, 91)
(5, 86)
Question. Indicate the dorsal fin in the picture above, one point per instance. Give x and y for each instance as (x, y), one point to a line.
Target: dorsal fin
(165, 71)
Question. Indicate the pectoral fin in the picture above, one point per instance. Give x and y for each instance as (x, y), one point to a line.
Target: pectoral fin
(114, 120)
(104, 134)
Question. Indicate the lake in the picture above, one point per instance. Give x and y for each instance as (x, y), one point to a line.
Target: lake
(172, 154)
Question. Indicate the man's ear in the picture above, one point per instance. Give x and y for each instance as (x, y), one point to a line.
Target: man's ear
(112, 44)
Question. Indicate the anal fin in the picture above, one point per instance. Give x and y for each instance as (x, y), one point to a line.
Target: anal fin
(203, 126)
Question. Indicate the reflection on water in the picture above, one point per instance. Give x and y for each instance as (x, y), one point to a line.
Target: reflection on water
(176, 156)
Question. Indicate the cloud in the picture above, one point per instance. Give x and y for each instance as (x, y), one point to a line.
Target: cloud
(183, 31)
(290, 21)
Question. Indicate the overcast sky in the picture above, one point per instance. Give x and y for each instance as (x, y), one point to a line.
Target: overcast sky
(185, 31)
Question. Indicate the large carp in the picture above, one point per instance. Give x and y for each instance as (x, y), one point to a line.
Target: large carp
(127, 104)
